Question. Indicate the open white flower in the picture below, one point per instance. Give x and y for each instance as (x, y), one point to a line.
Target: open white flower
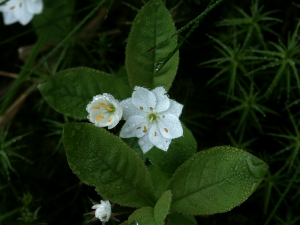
(103, 211)
(152, 117)
(21, 11)
(104, 111)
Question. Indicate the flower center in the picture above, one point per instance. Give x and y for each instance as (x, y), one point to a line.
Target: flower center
(152, 117)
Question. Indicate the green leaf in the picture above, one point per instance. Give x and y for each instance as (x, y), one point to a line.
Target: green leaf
(162, 207)
(143, 216)
(215, 181)
(180, 150)
(69, 91)
(152, 25)
(150, 216)
(103, 160)
(133, 143)
(179, 219)
(159, 180)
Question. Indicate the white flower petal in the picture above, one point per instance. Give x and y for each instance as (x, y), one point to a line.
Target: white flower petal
(163, 101)
(170, 126)
(157, 139)
(135, 126)
(129, 109)
(22, 14)
(143, 99)
(175, 108)
(145, 143)
(34, 7)
(103, 211)
(9, 18)
(9, 6)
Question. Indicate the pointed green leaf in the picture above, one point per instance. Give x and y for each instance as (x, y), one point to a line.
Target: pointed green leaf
(152, 25)
(69, 91)
(162, 207)
(143, 216)
(159, 180)
(103, 160)
(179, 151)
(179, 219)
(215, 181)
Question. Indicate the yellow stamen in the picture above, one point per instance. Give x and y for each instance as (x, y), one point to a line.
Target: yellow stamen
(155, 134)
(101, 118)
(20, 4)
(166, 130)
(151, 108)
(109, 120)
(163, 116)
(105, 106)
(97, 117)
(141, 108)
(138, 128)
(96, 107)
(12, 7)
(145, 129)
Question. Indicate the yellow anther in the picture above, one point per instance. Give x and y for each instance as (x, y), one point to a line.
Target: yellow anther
(151, 108)
(166, 130)
(97, 117)
(138, 128)
(105, 106)
(141, 108)
(109, 120)
(155, 134)
(20, 4)
(163, 116)
(145, 129)
(96, 107)
(12, 7)
(101, 118)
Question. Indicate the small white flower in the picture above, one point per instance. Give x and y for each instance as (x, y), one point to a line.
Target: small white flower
(104, 111)
(20, 10)
(152, 117)
(103, 211)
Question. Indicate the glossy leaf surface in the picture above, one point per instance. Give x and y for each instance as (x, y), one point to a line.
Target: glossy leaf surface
(152, 25)
(103, 160)
(215, 181)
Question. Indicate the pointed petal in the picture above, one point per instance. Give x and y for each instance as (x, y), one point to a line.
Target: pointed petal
(34, 6)
(143, 99)
(170, 126)
(157, 139)
(135, 126)
(145, 143)
(129, 109)
(175, 108)
(163, 101)
(9, 18)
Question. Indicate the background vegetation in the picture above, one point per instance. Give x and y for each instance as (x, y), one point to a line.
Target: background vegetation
(238, 79)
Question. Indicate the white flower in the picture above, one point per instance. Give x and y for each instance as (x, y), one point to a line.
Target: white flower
(104, 111)
(103, 211)
(152, 117)
(20, 10)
